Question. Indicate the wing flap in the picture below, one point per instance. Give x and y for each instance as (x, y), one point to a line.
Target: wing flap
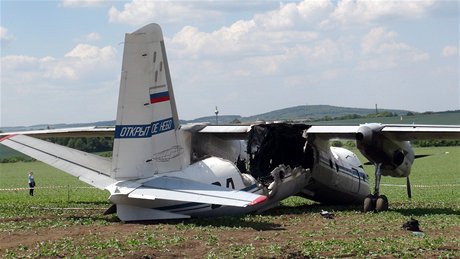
(227, 132)
(89, 168)
(179, 189)
(395, 132)
(330, 132)
(416, 132)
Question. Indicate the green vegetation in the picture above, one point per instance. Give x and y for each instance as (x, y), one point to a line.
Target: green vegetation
(91, 145)
(68, 222)
(7, 154)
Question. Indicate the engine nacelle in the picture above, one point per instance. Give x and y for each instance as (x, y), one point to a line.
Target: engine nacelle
(395, 157)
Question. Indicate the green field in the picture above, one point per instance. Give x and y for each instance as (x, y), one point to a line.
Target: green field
(67, 221)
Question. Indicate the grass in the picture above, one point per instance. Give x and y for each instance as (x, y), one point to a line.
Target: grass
(50, 225)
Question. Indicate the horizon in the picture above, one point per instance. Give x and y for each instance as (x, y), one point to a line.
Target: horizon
(223, 115)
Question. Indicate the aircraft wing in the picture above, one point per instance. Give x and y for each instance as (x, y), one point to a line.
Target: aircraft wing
(399, 132)
(96, 131)
(89, 168)
(185, 190)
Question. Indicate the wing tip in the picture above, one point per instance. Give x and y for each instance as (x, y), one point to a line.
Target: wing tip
(258, 200)
(7, 137)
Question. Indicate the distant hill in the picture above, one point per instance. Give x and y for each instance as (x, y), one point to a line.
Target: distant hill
(303, 113)
(298, 113)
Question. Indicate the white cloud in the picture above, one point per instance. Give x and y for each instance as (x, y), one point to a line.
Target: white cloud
(83, 3)
(364, 11)
(382, 50)
(449, 51)
(139, 12)
(18, 61)
(270, 32)
(82, 61)
(306, 13)
(93, 36)
(5, 35)
(93, 53)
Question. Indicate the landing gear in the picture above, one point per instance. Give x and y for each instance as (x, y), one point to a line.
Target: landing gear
(381, 204)
(369, 203)
(376, 202)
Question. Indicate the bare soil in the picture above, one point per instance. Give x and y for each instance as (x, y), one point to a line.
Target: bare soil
(273, 236)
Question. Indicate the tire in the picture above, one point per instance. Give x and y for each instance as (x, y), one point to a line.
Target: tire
(381, 204)
(368, 204)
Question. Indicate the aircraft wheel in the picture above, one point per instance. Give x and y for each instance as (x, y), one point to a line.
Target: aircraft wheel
(368, 204)
(382, 203)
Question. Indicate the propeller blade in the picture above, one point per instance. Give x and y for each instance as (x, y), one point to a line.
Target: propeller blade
(422, 156)
(409, 191)
(415, 157)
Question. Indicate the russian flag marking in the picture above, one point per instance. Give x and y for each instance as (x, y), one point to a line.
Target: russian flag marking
(159, 97)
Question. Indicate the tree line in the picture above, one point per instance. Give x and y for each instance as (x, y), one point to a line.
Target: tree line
(91, 145)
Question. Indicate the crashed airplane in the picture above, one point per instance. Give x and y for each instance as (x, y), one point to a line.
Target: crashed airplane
(163, 170)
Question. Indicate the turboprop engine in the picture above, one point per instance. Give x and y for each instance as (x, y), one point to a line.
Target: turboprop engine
(390, 158)
(395, 157)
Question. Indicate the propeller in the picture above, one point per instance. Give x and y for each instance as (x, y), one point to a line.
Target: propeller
(409, 191)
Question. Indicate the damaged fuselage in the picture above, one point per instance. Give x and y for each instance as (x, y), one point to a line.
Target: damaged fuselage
(280, 160)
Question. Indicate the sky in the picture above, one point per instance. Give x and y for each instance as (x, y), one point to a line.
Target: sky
(61, 60)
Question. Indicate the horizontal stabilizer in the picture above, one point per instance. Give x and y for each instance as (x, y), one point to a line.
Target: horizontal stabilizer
(179, 189)
(89, 168)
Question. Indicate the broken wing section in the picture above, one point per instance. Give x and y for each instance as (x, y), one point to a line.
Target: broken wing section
(89, 168)
(180, 189)
(155, 198)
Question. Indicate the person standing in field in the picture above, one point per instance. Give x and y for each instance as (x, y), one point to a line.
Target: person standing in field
(31, 183)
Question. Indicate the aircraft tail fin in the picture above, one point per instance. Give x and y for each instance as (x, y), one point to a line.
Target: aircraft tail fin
(147, 140)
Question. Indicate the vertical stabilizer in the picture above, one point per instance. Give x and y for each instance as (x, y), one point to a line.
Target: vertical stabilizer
(147, 140)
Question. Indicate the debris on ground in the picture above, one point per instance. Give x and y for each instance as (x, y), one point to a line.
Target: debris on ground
(412, 225)
(327, 214)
